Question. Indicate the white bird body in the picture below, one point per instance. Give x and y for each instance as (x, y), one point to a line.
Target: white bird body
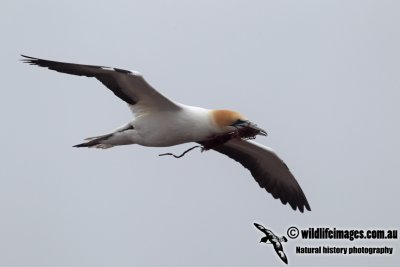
(153, 128)
(161, 122)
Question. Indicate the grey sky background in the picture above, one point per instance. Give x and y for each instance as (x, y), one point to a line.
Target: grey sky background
(322, 77)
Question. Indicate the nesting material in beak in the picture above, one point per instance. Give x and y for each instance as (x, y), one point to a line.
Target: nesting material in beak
(256, 128)
(247, 129)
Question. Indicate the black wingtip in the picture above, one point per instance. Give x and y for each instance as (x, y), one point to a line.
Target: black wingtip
(29, 60)
(26, 57)
(259, 226)
(301, 208)
(299, 203)
(308, 207)
(305, 205)
(81, 145)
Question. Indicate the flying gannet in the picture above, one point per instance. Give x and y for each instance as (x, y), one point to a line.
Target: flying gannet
(161, 122)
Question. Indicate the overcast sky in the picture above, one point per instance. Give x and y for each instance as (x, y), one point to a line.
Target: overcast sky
(322, 77)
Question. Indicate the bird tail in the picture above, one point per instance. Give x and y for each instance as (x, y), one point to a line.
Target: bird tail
(96, 142)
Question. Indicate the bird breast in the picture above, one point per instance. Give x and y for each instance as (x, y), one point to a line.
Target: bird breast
(168, 128)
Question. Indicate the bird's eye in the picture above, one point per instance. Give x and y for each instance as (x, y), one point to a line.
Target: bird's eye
(239, 122)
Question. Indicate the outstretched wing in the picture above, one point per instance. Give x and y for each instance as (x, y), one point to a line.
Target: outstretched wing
(261, 228)
(279, 250)
(268, 233)
(268, 170)
(127, 85)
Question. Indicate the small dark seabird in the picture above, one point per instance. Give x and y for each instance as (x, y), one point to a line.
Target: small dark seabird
(274, 240)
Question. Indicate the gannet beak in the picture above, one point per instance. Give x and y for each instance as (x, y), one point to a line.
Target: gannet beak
(261, 131)
(249, 124)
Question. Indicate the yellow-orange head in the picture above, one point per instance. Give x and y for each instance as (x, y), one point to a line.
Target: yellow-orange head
(228, 121)
(224, 117)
